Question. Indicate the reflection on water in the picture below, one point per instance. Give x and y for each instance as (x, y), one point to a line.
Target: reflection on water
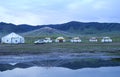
(60, 67)
(73, 64)
(62, 72)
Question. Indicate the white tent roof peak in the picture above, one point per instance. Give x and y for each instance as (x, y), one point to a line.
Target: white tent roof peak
(47, 38)
(106, 37)
(93, 38)
(76, 38)
(12, 35)
(60, 38)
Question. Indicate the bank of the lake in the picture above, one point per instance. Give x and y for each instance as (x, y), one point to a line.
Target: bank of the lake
(20, 49)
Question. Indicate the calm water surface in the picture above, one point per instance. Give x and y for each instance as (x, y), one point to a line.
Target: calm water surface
(60, 66)
(62, 72)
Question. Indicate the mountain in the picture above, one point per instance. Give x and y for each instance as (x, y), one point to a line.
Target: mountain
(9, 27)
(80, 28)
(47, 31)
(88, 28)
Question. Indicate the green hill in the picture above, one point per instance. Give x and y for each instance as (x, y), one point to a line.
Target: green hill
(47, 32)
(65, 29)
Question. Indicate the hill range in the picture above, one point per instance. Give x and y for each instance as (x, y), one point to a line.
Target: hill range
(65, 29)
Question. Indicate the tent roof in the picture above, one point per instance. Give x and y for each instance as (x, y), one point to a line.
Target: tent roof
(12, 35)
(76, 38)
(47, 38)
(106, 37)
(60, 38)
(93, 38)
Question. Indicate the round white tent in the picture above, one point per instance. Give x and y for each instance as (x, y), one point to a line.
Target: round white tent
(12, 38)
(93, 39)
(76, 40)
(106, 39)
(60, 39)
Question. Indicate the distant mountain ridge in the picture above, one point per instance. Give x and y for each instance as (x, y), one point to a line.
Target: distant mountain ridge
(72, 27)
(9, 27)
(87, 28)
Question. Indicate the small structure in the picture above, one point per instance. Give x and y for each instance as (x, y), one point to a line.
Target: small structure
(106, 39)
(60, 39)
(93, 39)
(40, 41)
(12, 38)
(47, 40)
(76, 40)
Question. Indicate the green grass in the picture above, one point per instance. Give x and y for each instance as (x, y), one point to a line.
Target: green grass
(16, 49)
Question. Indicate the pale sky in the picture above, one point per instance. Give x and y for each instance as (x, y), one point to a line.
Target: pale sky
(39, 12)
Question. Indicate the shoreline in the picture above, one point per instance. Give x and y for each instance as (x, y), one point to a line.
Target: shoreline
(32, 49)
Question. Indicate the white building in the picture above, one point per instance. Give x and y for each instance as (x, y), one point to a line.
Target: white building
(12, 38)
(60, 39)
(76, 40)
(106, 39)
(93, 39)
(47, 40)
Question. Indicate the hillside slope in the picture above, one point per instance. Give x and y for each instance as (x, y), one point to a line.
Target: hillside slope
(88, 28)
(80, 28)
(47, 31)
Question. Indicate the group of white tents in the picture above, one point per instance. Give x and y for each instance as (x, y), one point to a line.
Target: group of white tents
(77, 39)
(15, 38)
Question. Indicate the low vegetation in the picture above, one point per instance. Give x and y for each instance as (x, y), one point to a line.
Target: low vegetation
(18, 49)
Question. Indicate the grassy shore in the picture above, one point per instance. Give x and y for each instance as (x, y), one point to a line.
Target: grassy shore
(18, 49)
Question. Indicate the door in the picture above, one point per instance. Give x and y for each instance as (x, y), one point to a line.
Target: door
(14, 40)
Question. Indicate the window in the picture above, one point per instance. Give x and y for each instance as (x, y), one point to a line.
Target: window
(16, 41)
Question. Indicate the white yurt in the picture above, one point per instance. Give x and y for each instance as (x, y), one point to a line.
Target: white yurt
(12, 38)
(47, 40)
(60, 39)
(93, 39)
(76, 40)
(106, 39)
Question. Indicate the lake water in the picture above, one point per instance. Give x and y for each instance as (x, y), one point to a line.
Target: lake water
(62, 66)
(62, 72)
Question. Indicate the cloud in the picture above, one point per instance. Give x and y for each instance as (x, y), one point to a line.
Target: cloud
(58, 11)
(100, 5)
